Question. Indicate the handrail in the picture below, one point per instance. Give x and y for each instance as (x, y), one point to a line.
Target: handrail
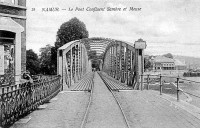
(191, 94)
(171, 77)
(189, 80)
(178, 89)
(19, 102)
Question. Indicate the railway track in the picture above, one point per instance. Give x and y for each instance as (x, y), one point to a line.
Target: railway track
(83, 123)
(85, 118)
(117, 101)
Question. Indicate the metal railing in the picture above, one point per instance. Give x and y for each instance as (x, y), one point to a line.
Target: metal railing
(7, 79)
(26, 97)
(160, 81)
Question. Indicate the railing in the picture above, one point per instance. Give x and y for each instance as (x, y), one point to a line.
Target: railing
(7, 79)
(17, 103)
(161, 80)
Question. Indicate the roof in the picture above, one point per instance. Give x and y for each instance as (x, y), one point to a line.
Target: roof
(163, 59)
(179, 63)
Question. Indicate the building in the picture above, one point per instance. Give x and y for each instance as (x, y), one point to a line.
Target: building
(164, 63)
(12, 40)
(180, 65)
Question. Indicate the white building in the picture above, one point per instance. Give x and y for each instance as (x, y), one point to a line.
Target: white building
(164, 63)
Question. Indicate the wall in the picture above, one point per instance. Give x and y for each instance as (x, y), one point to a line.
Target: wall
(17, 12)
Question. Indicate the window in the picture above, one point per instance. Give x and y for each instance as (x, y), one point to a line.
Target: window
(10, 1)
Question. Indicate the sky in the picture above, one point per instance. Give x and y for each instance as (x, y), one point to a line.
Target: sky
(167, 26)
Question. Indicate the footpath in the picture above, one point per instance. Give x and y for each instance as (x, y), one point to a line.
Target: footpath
(143, 109)
(63, 111)
(148, 109)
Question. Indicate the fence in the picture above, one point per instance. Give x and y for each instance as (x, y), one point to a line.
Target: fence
(7, 79)
(161, 80)
(23, 98)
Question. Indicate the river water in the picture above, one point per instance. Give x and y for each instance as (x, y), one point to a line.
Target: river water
(197, 79)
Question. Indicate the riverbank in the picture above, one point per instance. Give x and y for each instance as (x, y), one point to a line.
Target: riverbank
(190, 85)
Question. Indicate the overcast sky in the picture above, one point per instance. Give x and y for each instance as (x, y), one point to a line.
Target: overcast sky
(171, 26)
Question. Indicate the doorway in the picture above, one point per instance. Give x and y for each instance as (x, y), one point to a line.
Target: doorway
(7, 57)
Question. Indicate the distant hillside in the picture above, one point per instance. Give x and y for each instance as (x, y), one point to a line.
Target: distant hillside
(190, 61)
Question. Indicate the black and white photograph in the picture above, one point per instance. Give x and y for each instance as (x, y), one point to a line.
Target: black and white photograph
(99, 64)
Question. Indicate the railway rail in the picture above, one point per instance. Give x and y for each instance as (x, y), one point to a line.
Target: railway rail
(117, 101)
(83, 123)
(87, 112)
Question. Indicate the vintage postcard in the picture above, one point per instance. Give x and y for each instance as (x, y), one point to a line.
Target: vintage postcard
(99, 63)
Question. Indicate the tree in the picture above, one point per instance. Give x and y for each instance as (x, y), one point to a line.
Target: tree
(46, 61)
(71, 30)
(168, 55)
(32, 62)
(147, 63)
(54, 59)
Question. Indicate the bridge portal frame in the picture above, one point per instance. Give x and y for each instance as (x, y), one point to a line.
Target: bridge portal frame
(129, 62)
(72, 62)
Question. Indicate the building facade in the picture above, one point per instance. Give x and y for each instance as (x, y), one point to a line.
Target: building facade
(164, 63)
(12, 40)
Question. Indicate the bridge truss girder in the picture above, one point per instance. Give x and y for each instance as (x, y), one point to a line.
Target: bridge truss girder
(73, 62)
(120, 63)
(119, 59)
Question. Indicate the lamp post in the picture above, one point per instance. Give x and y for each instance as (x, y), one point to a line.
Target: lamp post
(140, 45)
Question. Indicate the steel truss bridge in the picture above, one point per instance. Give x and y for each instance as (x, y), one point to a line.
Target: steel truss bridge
(121, 65)
(119, 59)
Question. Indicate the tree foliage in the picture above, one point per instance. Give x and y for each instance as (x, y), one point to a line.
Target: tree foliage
(73, 29)
(168, 55)
(147, 63)
(32, 62)
(46, 61)
(54, 59)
